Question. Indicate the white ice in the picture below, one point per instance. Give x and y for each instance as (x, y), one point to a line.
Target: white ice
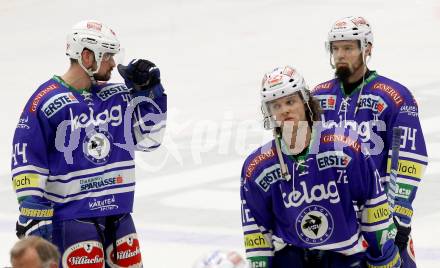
(212, 55)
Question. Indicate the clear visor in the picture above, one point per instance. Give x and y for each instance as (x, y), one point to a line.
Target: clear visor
(118, 58)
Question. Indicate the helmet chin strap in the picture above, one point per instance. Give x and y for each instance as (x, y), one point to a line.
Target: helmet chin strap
(90, 71)
(365, 60)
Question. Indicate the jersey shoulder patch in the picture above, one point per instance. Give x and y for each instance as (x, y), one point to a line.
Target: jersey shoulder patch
(257, 160)
(323, 86)
(44, 92)
(395, 92)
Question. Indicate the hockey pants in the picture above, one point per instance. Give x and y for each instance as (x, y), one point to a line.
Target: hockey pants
(90, 242)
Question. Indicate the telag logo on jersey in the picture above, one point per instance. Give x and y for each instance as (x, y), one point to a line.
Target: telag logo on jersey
(114, 117)
(57, 102)
(332, 159)
(372, 102)
(97, 146)
(107, 92)
(269, 176)
(317, 193)
(314, 225)
(327, 102)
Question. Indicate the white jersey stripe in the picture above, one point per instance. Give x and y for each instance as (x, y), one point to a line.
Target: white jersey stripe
(341, 244)
(412, 155)
(30, 168)
(92, 170)
(251, 227)
(268, 253)
(90, 194)
(113, 178)
(376, 200)
(28, 193)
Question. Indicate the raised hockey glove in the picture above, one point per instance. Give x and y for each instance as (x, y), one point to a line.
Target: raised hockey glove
(390, 257)
(143, 77)
(35, 218)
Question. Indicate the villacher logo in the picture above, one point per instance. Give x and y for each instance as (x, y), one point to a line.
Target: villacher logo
(86, 253)
(128, 252)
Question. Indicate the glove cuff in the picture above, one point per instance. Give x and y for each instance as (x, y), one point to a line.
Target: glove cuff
(156, 91)
(37, 211)
(390, 257)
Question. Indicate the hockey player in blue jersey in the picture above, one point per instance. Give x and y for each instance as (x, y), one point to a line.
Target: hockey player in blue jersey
(298, 190)
(372, 105)
(73, 151)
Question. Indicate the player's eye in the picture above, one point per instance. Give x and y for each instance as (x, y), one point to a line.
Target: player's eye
(107, 56)
(275, 106)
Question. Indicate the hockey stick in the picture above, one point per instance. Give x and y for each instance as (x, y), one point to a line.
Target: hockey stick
(394, 167)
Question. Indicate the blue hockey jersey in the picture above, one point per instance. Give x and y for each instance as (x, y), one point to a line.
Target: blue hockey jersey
(314, 208)
(76, 148)
(382, 105)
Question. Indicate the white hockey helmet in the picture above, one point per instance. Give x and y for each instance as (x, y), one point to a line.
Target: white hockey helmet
(221, 259)
(95, 36)
(280, 82)
(351, 28)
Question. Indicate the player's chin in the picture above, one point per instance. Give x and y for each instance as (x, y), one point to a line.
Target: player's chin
(343, 71)
(103, 77)
(342, 65)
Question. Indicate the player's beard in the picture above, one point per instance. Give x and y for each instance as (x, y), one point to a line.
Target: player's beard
(343, 73)
(103, 77)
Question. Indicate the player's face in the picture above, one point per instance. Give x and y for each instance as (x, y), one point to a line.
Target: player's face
(347, 57)
(105, 70)
(288, 110)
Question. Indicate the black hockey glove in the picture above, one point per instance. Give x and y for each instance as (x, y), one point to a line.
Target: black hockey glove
(402, 236)
(142, 75)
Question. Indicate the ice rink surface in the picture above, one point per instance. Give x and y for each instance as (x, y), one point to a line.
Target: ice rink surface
(212, 55)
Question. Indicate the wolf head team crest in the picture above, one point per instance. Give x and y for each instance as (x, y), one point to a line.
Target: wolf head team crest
(97, 146)
(314, 225)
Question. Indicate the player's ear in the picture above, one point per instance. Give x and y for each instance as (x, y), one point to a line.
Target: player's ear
(88, 58)
(368, 49)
